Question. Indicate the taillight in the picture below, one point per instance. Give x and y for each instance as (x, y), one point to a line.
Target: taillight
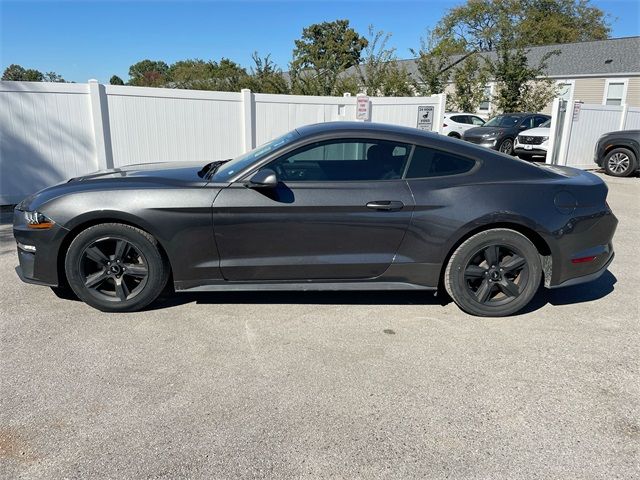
(583, 259)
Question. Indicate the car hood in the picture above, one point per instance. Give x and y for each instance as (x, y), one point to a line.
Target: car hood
(536, 132)
(485, 131)
(171, 171)
(149, 175)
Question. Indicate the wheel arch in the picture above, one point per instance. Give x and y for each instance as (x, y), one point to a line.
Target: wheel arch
(91, 219)
(534, 237)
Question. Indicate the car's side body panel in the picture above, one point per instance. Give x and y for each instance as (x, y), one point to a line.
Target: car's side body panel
(217, 234)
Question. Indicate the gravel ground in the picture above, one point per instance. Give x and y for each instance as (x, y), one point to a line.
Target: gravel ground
(325, 385)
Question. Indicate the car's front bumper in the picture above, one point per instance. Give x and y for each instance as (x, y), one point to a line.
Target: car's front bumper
(520, 150)
(483, 142)
(37, 251)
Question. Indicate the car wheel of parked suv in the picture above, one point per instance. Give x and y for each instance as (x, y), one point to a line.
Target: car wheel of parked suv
(620, 162)
(506, 146)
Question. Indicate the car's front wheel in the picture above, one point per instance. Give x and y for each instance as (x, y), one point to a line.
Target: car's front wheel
(620, 162)
(494, 273)
(506, 146)
(116, 267)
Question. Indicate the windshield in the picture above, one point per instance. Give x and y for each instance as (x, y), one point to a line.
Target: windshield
(503, 121)
(232, 167)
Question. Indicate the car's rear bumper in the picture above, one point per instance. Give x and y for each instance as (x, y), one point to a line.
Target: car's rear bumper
(582, 250)
(586, 278)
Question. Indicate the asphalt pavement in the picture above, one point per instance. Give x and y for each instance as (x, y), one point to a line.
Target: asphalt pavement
(326, 385)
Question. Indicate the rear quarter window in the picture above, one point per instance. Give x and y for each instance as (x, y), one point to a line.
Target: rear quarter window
(429, 162)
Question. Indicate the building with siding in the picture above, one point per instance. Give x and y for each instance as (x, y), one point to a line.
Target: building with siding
(602, 72)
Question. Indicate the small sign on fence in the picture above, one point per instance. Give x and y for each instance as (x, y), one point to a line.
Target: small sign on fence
(576, 111)
(362, 107)
(425, 117)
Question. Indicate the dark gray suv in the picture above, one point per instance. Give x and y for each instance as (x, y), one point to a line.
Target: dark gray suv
(617, 152)
(500, 132)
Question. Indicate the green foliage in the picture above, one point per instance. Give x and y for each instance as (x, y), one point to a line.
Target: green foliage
(469, 79)
(518, 87)
(480, 24)
(192, 74)
(18, 73)
(115, 80)
(266, 77)
(434, 63)
(324, 51)
(149, 73)
(379, 72)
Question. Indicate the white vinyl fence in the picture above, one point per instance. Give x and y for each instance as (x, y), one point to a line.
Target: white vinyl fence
(50, 132)
(576, 127)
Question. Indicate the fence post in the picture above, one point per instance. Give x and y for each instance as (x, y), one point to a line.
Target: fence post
(442, 105)
(248, 119)
(552, 154)
(623, 117)
(567, 126)
(101, 130)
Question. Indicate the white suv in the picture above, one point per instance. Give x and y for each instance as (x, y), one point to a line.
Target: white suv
(533, 142)
(456, 123)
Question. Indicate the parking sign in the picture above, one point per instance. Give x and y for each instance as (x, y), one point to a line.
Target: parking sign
(425, 117)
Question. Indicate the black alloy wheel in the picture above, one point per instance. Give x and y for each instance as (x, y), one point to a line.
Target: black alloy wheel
(116, 267)
(113, 269)
(494, 273)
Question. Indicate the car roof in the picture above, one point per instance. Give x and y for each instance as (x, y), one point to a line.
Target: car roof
(343, 126)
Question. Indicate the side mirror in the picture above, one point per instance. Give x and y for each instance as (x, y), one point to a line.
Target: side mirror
(265, 178)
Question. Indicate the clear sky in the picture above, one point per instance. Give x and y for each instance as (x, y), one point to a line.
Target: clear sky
(96, 39)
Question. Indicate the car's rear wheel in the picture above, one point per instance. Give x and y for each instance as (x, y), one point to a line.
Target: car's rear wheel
(620, 162)
(116, 267)
(454, 135)
(494, 273)
(506, 146)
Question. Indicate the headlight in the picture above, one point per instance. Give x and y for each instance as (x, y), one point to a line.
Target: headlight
(37, 220)
(544, 139)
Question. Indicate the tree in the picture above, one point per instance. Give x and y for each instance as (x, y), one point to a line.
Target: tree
(149, 73)
(18, 73)
(116, 80)
(435, 59)
(469, 80)
(229, 76)
(53, 77)
(518, 85)
(324, 51)
(379, 72)
(479, 24)
(266, 77)
(193, 74)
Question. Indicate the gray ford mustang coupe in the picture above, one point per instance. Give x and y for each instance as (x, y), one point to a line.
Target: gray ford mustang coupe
(333, 206)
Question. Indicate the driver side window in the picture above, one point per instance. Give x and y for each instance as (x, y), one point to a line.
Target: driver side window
(343, 160)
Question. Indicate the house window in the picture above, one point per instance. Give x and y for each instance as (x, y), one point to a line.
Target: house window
(615, 92)
(485, 105)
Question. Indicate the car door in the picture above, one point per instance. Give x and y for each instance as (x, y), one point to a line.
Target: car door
(339, 211)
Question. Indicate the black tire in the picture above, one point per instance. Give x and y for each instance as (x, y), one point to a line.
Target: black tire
(620, 162)
(493, 288)
(506, 146)
(454, 135)
(116, 267)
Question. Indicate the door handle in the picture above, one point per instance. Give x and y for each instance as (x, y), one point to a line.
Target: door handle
(385, 205)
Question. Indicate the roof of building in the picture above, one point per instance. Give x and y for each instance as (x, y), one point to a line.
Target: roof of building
(613, 56)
